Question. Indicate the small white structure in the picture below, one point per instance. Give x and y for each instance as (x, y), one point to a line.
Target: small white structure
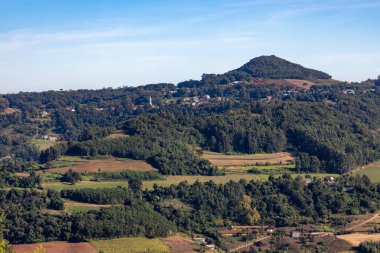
(199, 239)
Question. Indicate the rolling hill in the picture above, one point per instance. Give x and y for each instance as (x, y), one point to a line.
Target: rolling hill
(270, 67)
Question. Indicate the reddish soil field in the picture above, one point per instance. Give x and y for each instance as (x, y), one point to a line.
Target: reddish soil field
(56, 247)
(222, 160)
(108, 165)
(11, 110)
(181, 244)
(22, 174)
(299, 83)
(303, 84)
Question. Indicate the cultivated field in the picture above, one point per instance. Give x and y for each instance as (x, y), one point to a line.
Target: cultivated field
(372, 171)
(130, 245)
(181, 244)
(170, 180)
(57, 247)
(266, 169)
(103, 165)
(303, 84)
(223, 160)
(357, 238)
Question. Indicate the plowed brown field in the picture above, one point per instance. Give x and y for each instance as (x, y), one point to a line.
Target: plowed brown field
(222, 160)
(181, 244)
(56, 247)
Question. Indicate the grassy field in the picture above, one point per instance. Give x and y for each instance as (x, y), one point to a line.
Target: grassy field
(171, 180)
(131, 245)
(372, 171)
(357, 238)
(79, 207)
(266, 169)
(43, 144)
(225, 160)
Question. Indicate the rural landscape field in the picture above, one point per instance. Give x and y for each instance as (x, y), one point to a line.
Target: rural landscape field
(189, 126)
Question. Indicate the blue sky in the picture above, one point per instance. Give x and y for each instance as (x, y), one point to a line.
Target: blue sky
(73, 44)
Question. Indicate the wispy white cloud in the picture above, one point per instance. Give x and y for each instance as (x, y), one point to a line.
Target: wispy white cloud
(19, 38)
(292, 9)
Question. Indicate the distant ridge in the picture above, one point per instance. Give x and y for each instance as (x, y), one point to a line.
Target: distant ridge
(271, 67)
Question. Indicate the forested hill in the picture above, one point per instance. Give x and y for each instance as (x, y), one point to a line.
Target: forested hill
(271, 67)
(331, 128)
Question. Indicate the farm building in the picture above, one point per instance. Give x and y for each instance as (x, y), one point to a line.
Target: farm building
(70, 109)
(321, 234)
(249, 227)
(210, 246)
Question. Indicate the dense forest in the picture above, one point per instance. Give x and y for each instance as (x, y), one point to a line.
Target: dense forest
(27, 222)
(279, 202)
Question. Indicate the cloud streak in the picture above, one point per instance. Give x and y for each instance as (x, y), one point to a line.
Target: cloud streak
(212, 37)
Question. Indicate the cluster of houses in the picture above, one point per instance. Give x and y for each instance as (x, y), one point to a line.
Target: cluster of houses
(326, 180)
(206, 99)
(52, 138)
(349, 91)
(195, 101)
(246, 230)
(202, 240)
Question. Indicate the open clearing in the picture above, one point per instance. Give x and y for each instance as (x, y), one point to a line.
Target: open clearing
(223, 160)
(181, 244)
(131, 245)
(372, 171)
(56, 247)
(103, 165)
(43, 144)
(80, 207)
(357, 238)
(303, 84)
(117, 135)
(73, 204)
(266, 169)
(170, 180)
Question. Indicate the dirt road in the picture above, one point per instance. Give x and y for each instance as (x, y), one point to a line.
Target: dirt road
(249, 244)
(372, 218)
